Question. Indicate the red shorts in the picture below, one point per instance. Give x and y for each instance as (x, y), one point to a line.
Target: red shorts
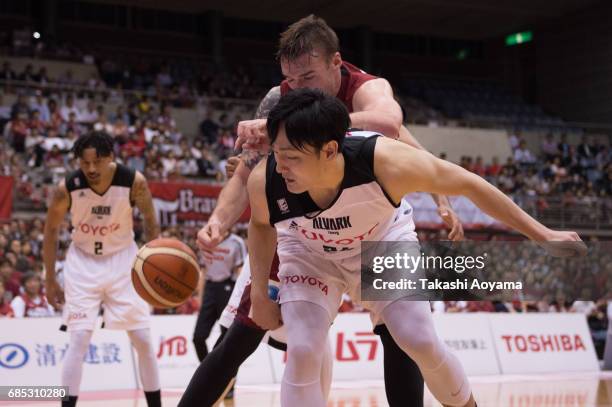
(244, 309)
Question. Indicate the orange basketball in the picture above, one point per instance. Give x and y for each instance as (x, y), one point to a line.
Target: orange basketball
(165, 272)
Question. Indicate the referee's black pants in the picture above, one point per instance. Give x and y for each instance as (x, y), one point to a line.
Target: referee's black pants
(215, 298)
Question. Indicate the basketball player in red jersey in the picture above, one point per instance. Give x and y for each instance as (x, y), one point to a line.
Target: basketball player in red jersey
(309, 57)
(100, 197)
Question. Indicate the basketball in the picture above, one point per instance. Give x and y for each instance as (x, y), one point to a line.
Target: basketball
(165, 272)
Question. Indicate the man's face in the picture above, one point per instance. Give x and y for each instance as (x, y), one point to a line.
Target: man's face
(95, 167)
(16, 246)
(315, 70)
(6, 270)
(32, 286)
(302, 170)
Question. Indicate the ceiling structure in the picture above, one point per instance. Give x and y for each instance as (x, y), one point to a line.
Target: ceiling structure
(467, 19)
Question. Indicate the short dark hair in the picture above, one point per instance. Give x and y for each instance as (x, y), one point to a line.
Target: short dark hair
(304, 36)
(310, 117)
(101, 141)
(28, 275)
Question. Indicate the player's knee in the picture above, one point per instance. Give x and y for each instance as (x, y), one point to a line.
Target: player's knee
(421, 346)
(308, 357)
(141, 340)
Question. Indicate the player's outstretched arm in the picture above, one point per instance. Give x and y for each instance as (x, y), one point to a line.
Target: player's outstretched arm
(402, 169)
(142, 198)
(262, 245)
(233, 199)
(375, 108)
(445, 210)
(58, 207)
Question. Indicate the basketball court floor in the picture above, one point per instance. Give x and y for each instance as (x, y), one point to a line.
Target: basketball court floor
(563, 390)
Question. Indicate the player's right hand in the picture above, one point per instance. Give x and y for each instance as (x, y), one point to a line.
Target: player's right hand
(266, 313)
(208, 239)
(232, 164)
(253, 135)
(55, 294)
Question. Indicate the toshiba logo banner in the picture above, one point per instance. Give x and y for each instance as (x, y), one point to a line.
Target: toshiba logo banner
(538, 343)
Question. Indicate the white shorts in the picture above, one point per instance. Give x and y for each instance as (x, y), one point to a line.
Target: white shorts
(230, 310)
(91, 281)
(306, 276)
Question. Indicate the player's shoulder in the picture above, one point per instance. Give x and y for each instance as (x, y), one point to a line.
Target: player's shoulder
(124, 176)
(74, 181)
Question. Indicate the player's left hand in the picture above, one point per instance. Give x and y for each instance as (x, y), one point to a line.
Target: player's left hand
(208, 240)
(452, 221)
(266, 313)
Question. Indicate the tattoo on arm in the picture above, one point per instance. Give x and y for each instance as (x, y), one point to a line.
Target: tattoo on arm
(143, 200)
(251, 158)
(268, 102)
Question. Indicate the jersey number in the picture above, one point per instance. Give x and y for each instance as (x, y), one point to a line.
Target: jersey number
(98, 247)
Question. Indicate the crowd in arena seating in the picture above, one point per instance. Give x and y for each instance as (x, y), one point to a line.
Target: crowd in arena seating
(579, 176)
(40, 127)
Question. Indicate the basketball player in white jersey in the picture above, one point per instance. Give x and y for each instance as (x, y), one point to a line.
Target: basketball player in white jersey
(221, 270)
(100, 197)
(315, 177)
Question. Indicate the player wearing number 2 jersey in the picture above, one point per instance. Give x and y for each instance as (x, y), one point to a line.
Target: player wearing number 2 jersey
(100, 197)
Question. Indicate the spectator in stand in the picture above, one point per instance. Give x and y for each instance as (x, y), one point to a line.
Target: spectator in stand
(22, 262)
(10, 277)
(134, 150)
(5, 112)
(479, 167)
(36, 123)
(90, 115)
(121, 114)
(67, 79)
(7, 73)
(42, 76)
(16, 132)
(522, 155)
(494, 168)
(187, 165)
(102, 124)
(70, 107)
(209, 129)
(5, 306)
(20, 107)
(54, 158)
(55, 115)
(121, 132)
(514, 139)
(73, 125)
(28, 74)
(586, 151)
(38, 103)
(549, 147)
(31, 303)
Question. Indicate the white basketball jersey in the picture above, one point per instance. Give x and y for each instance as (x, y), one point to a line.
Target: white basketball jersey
(102, 224)
(362, 210)
(222, 267)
